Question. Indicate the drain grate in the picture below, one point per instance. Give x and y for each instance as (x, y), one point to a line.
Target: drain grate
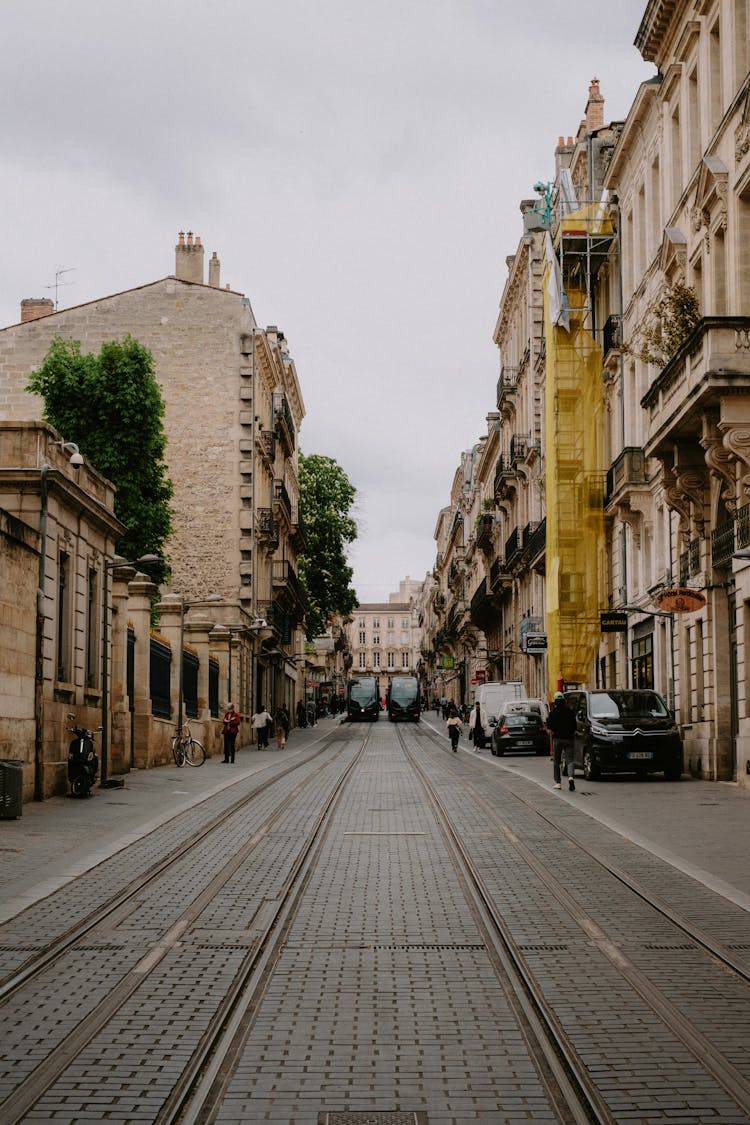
(738, 945)
(421, 946)
(668, 948)
(543, 948)
(376, 1117)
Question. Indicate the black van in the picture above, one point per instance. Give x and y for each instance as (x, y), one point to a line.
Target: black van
(631, 730)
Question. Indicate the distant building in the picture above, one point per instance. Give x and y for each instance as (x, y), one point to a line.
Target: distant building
(384, 638)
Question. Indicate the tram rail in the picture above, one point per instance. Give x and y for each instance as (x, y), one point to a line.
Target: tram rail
(27, 1093)
(707, 1056)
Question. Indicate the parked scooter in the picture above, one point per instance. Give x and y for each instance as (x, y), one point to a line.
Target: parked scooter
(83, 763)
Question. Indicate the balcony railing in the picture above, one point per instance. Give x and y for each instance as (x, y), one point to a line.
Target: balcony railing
(690, 562)
(485, 528)
(612, 334)
(266, 526)
(512, 545)
(722, 546)
(506, 384)
(629, 468)
(499, 575)
(281, 496)
(267, 443)
(519, 448)
(284, 575)
(283, 420)
(742, 526)
(535, 538)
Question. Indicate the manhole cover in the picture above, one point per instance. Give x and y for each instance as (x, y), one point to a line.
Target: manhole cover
(392, 1117)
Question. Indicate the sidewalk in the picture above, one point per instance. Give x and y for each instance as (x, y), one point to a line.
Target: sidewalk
(56, 840)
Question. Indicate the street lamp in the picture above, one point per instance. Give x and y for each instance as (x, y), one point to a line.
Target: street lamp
(113, 564)
(209, 599)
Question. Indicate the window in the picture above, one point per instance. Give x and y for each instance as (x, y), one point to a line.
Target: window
(376, 622)
(64, 593)
(390, 637)
(391, 660)
(404, 622)
(92, 630)
(376, 638)
(362, 660)
(405, 638)
(390, 623)
(362, 637)
(642, 661)
(376, 660)
(404, 659)
(362, 623)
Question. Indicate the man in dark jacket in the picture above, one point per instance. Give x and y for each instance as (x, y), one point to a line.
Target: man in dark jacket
(562, 723)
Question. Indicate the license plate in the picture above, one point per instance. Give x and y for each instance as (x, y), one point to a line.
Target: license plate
(525, 742)
(640, 754)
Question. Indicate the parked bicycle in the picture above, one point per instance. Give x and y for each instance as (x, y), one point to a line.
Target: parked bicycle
(185, 748)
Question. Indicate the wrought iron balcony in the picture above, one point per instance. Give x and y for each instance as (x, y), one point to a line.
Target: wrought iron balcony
(285, 577)
(281, 497)
(506, 384)
(629, 468)
(722, 546)
(612, 334)
(484, 533)
(267, 444)
(266, 527)
(499, 575)
(512, 545)
(690, 562)
(283, 421)
(535, 538)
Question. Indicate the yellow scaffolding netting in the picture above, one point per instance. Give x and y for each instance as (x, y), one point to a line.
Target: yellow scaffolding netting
(574, 486)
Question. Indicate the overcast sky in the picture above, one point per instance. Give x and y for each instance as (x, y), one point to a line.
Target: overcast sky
(357, 166)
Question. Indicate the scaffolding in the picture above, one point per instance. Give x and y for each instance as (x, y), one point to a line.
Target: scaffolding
(574, 428)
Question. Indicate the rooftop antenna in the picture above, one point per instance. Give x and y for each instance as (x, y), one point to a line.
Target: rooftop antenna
(58, 284)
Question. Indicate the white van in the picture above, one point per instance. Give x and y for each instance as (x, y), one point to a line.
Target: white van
(493, 695)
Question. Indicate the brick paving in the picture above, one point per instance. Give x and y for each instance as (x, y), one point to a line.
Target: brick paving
(383, 998)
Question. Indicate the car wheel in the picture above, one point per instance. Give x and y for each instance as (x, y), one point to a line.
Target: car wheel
(500, 752)
(590, 770)
(673, 773)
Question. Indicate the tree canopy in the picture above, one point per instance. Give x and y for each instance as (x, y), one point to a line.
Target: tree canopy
(111, 406)
(326, 497)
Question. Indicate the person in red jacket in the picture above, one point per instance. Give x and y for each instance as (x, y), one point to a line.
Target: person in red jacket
(231, 726)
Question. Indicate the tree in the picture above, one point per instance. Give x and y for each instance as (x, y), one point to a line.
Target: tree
(111, 406)
(671, 320)
(326, 496)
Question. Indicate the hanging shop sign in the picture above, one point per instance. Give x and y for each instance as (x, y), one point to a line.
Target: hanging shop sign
(534, 642)
(613, 622)
(447, 662)
(680, 599)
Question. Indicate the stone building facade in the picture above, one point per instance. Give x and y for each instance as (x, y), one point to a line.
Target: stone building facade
(651, 466)
(384, 638)
(233, 409)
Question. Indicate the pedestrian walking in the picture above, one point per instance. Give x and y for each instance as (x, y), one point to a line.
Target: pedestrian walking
(562, 723)
(281, 719)
(301, 714)
(260, 722)
(230, 727)
(476, 728)
(454, 728)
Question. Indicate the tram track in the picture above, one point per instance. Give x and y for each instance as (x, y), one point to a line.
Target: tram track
(94, 1019)
(706, 1054)
(104, 910)
(696, 933)
(575, 1096)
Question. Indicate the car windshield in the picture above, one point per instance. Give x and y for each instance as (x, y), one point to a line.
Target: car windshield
(627, 705)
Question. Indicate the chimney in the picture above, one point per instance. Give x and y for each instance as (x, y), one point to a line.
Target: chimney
(594, 108)
(189, 258)
(214, 269)
(33, 308)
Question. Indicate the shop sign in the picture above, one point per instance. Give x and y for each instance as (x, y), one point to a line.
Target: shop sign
(613, 622)
(534, 642)
(680, 599)
(447, 662)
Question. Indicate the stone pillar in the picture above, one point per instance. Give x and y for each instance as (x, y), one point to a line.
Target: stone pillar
(221, 649)
(197, 630)
(169, 627)
(119, 742)
(140, 592)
